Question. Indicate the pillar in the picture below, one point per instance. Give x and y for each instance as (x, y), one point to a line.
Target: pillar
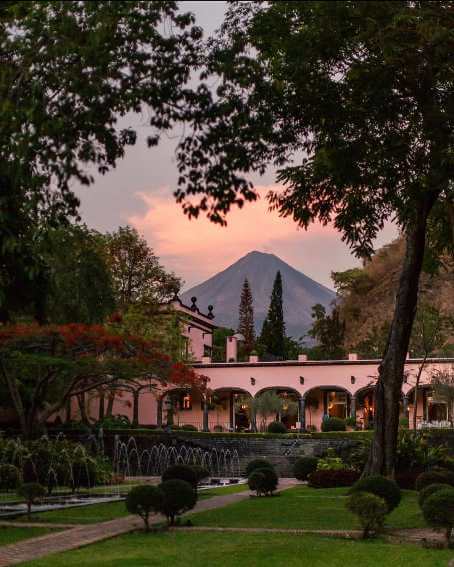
(135, 408)
(205, 415)
(232, 412)
(159, 413)
(353, 407)
(302, 414)
(405, 405)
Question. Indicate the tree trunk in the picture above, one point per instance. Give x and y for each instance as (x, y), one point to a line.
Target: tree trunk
(418, 379)
(391, 371)
(110, 404)
(135, 409)
(82, 408)
(101, 406)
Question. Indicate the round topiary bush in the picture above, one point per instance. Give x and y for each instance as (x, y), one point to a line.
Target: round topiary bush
(434, 476)
(277, 427)
(256, 481)
(304, 466)
(181, 472)
(258, 464)
(381, 487)
(370, 510)
(188, 427)
(143, 500)
(263, 481)
(178, 497)
(331, 478)
(31, 492)
(429, 490)
(201, 472)
(438, 511)
(9, 477)
(333, 424)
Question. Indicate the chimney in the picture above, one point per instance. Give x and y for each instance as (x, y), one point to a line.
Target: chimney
(253, 358)
(302, 358)
(352, 356)
(206, 359)
(231, 349)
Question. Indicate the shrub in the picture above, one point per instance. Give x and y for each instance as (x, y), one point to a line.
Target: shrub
(331, 462)
(429, 490)
(277, 427)
(304, 466)
(256, 481)
(218, 429)
(370, 509)
(31, 492)
(143, 500)
(179, 497)
(201, 472)
(333, 424)
(188, 427)
(333, 478)
(181, 472)
(350, 421)
(263, 481)
(404, 423)
(381, 487)
(258, 464)
(435, 476)
(9, 477)
(438, 510)
(447, 463)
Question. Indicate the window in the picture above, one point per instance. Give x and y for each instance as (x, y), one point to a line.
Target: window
(207, 350)
(337, 404)
(186, 401)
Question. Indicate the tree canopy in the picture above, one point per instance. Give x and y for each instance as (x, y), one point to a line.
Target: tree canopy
(272, 338)
(246, 317)
(352, 102)
(70, 71)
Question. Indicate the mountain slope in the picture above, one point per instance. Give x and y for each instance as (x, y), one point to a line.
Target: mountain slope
(223, 291)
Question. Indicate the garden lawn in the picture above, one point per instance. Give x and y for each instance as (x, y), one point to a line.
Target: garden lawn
(179, 549)
(305, 508)
(220, 491)
(14, 534)
(90, 514)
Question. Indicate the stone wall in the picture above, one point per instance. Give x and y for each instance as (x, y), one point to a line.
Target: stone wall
(281, 452)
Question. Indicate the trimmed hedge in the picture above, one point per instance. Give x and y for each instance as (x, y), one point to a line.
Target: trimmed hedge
(181, 472)
(333, 424)
(381, 487)
(258, 464)
(438, 510)
(434, 476)
(370, 509)
(304, 466)
(263, 481)
(277, 427)
(333, 478)
(429, 490)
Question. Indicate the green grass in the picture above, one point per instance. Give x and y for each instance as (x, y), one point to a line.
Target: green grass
(91, 514)
(220, 491)
(304, 508)
(243, 550)
(13, 534)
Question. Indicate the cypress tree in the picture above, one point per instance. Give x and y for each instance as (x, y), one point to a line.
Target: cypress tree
(272, 338)
(246, 317)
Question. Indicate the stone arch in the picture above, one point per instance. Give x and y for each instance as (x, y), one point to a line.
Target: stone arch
(239, 416)
(322, 400)
(291, 417)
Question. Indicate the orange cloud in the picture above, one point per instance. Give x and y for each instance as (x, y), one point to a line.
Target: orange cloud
(198, 249)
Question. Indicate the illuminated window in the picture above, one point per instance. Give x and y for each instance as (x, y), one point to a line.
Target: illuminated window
(186, 402)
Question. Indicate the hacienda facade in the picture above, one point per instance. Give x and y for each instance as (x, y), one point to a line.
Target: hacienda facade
(311, 390)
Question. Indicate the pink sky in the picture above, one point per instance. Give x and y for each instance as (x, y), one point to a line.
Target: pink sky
(198, 249)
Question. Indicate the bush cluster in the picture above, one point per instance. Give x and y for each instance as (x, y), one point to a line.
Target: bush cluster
(182, 472)
(263, 481)
(257, 464)
(434, 476)
(277, 427)
(429, 490)
(438, 511)
(370, 509)
(332, 478)
(381, 487)
(333, 424)
(304, 466)
(171, 498)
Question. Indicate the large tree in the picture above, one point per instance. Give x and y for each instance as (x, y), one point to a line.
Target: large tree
(246, 317)
(328, 330)
(272, 338)
(137, 274)
(70, 72)
(42, 368)
(352, 102)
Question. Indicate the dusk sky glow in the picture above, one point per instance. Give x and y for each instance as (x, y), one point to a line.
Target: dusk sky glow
(139, 192)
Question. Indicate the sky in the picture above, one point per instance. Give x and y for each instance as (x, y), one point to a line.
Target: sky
(139, 192)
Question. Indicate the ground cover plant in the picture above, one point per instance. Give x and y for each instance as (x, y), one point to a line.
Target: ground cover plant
(243, 550)
(91, 514)
(14, 534)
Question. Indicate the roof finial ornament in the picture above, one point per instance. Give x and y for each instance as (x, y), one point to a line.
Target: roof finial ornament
(210, 312)
(194, 303)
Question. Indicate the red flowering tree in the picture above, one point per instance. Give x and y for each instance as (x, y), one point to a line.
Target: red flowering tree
(41, 368)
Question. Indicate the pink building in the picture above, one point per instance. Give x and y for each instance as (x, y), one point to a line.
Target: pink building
(310, 390)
